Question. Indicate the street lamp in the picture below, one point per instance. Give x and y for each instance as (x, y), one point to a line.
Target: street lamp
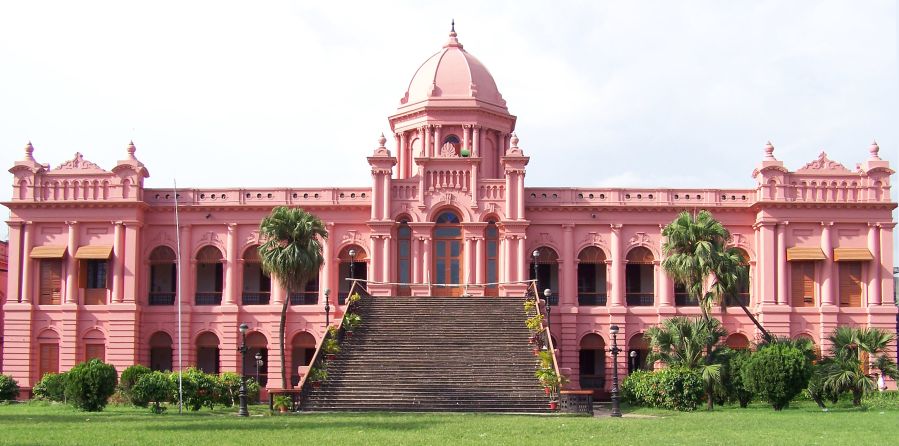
(352, 254)
(616, 408)
(327, 306)
(548, 293)
(534, 256)
(258, 357)
(633, 367)
(242, 393)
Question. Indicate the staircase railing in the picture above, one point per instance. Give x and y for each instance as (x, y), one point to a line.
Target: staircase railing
(533, 293)
(318, 358)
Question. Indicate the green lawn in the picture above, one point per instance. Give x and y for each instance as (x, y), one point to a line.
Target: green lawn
(803, 423)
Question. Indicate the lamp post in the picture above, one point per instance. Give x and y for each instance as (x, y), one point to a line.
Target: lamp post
(327, 307)
(242, 393)
(258, 357)
(616, 408)
(352, 253)
(633, 367)
(534, 256)
(548, 293)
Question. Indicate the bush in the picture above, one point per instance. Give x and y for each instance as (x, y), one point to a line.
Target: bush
(153, 387)
(129, 378)
(672, 388)
(90, 384)
(52, 387)
(230, 383)
(882, 400)
(733, 381)
(199, 389)
(777, 373)
(9, 388)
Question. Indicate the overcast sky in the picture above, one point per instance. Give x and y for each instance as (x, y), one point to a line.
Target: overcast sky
(628, 93)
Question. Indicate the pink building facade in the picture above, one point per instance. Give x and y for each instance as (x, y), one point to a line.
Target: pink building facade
(93, 269)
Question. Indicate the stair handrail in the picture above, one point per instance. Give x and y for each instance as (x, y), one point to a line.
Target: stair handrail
(544, 329)
(318, 356)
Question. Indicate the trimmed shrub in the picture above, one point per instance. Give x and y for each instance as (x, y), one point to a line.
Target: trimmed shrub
(733, 381)
(153, 387)
(230, 383)
(777, 373)
(90, 384)
(52, 387)
(672, 388)
(9, 388)
(199, 389)
(129, 378)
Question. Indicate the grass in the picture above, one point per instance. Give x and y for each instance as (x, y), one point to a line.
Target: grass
(803, 423)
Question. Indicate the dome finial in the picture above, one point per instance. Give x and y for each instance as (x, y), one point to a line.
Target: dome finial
(453, 41)
(29, 152)
(874, 150)
(131, 149)
(453, 26)
(769, 152)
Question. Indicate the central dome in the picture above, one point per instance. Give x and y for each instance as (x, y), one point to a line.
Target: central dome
(452, 77)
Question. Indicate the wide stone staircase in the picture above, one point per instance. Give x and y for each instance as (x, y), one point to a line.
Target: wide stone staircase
(467, 354)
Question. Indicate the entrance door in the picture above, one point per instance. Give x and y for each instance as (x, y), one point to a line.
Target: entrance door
(448, 255)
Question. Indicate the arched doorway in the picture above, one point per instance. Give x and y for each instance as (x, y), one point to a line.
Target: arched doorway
(163, 276)
(48, 353)
(637, 350)
(161, 351)
(353, 261)
(208, 352)
(639, 278)
(257, 287)
(94, 345)
(547, 269)
(301, 353)
(737, 341)
(591, 277)
(404, 258)
(592, 363)
(447, 254)
(256, 343)
(491, 260)
(210, 276)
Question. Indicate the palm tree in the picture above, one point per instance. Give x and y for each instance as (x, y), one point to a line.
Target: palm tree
(692, 343)
(292, 252)
(851, 350)
(696, 251)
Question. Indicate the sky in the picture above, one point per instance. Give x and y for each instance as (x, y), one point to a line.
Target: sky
(278, 94)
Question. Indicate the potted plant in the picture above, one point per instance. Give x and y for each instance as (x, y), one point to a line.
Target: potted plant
(350, 322)
(353, 299)
(282, 403)
(316, 376)
(331, 349)
(548, 378)
(553, 404)
(529, 305)
(534, 323)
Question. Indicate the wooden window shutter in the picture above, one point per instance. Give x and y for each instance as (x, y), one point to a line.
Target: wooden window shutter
(850, 284)
(49, 360)
(82, 273)
(803, 284)
(95, 351)
(50, 282)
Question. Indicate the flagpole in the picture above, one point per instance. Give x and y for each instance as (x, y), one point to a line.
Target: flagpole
(180, 274)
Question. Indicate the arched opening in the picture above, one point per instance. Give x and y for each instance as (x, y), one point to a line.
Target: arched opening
(351, 267)
(491, 260)
(743, 286)
(210, 276)
(450, 147)
(404, 258)
(301, 353)
(208, 352)
(257, 287)
(94, 345)
(546, 267)
(737, 341)
(637, 351)
(808, 338)
(639, 279)
(591, 277)
(256, 343)
(163, 276)
(448, 254)
(48, 353)
(592, 363)
(161, 351)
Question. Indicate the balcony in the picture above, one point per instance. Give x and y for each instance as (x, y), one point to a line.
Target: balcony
(685, 300)
(305, 298)
(640, 299)
(162, 298)
(208, 298)
(738, 300)
(255, 298)
(591, 299)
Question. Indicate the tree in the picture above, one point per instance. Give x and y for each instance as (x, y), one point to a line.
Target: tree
(697, 255)
(777, 372)
(291, 252)
(854, 352)
(90, 384)
(691, 343)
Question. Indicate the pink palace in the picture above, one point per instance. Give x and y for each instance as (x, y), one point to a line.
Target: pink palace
(92, 252)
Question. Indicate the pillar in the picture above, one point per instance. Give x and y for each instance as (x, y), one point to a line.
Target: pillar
(466, 136)
(416, 266)
(185, 267)
(885, 259)
(520, 259)
(118, 264)
(231, 291)
(427, 141)
(519, 192)
(479, 260)
(568, 282)
(874, 282)
(385, 258)
(374, 273)
(72, 265)
(130, 262)
(437, 139)
(476, 143)
(426, 259)
(767, 264)
(616, 278)
(827, 280)
(329, 263)
(783, 293)
(20, 244)
(404, 155)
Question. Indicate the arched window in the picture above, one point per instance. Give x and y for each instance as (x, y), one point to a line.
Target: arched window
(160, 351)
(351, 267)
(302, 351)
(94, 345)
(591, 277)
(208, 352)
(451, 146)
(737, 341)
(592, 362)
(639, 278)
(448, 255)
(257, 287)
(546, 267)
(163, 276)
(491, 254)
(48, 342)
(210, 276)
(256, 343)
(404, 258)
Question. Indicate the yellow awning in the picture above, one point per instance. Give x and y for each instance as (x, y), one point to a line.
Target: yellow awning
(94, 252)
(798, 253)
(48, 252)
(850, 254)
